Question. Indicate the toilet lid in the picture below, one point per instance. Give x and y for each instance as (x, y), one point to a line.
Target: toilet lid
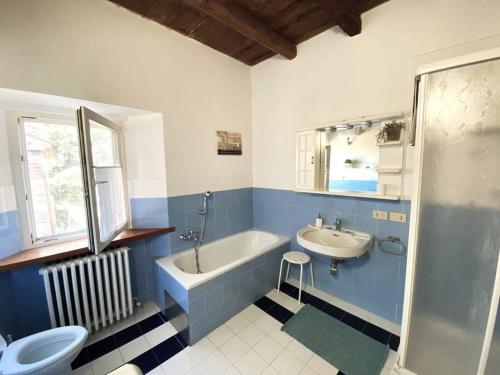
(41, 350)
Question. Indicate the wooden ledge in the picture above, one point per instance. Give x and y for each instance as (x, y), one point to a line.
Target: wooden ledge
(69, 249)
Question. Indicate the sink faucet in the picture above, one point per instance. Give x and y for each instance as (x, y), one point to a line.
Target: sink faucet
(338, 224)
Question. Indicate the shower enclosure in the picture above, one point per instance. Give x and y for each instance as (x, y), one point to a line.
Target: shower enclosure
(451, 322)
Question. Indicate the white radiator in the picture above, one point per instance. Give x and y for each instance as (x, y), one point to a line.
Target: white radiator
(91, 291)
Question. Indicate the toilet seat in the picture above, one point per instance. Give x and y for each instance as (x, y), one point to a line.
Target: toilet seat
(36, 353)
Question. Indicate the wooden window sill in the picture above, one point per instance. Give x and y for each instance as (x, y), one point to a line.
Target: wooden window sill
(69, 249)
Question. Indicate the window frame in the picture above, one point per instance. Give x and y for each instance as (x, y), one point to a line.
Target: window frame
(83, 116)
(17, 149)
(22, 182)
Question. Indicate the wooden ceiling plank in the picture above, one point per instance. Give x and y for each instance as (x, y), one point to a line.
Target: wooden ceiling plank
(345, 13)
(237, 18)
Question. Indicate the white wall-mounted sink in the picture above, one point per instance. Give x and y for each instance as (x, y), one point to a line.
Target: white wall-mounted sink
(338, 244)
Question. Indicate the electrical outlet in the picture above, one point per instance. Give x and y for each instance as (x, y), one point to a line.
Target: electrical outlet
(381, 215)
(397, 216)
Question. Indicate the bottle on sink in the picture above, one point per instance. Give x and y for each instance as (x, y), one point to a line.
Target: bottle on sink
(319, 221)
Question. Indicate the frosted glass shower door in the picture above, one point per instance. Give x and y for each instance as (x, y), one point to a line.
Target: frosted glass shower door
(458, 232)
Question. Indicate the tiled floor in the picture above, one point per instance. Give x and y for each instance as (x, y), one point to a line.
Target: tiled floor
(250, 343)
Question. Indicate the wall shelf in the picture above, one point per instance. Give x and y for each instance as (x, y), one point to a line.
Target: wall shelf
(389, 170)
(390, 143)
(357, 194)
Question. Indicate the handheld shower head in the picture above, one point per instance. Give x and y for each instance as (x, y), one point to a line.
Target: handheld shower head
(206, 196)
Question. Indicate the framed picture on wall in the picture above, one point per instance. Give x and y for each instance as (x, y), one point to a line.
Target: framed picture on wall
(228, 143)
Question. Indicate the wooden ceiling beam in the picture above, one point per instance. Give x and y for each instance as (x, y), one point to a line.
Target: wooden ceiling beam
(345, 13)
(238, 19)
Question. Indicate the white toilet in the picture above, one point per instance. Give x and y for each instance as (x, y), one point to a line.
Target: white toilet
(47, 352)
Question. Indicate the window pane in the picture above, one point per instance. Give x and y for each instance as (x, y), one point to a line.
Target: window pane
(104, 146)
(55, 179)
(111, 208)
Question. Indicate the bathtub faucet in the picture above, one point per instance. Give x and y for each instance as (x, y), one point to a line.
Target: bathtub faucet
(191, 235)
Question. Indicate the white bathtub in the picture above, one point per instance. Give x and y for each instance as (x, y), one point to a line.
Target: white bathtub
(219, 256)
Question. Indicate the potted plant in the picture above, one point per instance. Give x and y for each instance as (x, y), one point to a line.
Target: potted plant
(348, 163)
(390, 132)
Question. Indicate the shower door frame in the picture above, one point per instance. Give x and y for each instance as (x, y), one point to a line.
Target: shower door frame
(422, 71)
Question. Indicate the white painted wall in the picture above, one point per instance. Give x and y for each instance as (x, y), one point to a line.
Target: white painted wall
(335, 77)
(145, 156)
(94, 50)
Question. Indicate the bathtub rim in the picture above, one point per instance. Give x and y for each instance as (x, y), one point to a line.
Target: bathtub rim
(168, 263)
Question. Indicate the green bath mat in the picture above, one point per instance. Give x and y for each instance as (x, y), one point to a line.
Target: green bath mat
(349, 350)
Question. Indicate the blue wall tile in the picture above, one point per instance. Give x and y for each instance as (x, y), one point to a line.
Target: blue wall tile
(374, 282)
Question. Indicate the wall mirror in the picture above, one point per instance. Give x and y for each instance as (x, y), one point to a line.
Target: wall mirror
(362, 157)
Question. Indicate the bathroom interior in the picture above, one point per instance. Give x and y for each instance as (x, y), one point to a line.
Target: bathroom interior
(249, 187)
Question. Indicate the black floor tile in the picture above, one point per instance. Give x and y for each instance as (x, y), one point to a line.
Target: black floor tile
(377, 333)
(265, 304)
(150, 323)
(181, 340)
(293, 292)
(354, 321)
(316, 302)
(333, 311)
(394, 342)
(280, 313)
(101, 347)
(146, 361)
(80, 360)
(167, 349)
(128, 334)
(163, 316)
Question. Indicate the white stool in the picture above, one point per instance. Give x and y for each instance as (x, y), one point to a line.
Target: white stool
(296, 257)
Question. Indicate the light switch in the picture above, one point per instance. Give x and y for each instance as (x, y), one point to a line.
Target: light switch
(397, 216)
(381, 215)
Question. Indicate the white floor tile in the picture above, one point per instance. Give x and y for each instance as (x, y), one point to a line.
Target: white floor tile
(160, 334)
(84, 370)
(391, 359)
(267, 323)
(121, 324)
(306, 370)
(220, 335)
(287, 364)
(321, 366)
(145, 311)
(284, 339)
(251, 335)
(238, 323)
(215, 364)
(134, 348)
(300, 351)
(179, 364)
(268, 349)
(201, 350)
(251, 364)
(285, 300)
(232, 371)
(156, 371)
(99, 335)
(234, 349)
(270, 371)
(252, 313)
(107, 363)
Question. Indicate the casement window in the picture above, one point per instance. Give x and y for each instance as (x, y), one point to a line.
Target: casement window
(70, 180)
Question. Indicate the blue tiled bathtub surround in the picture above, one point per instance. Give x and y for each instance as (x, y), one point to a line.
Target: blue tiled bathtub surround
(212, 303)
(147, 213)
(373, 282)
(230, 212)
